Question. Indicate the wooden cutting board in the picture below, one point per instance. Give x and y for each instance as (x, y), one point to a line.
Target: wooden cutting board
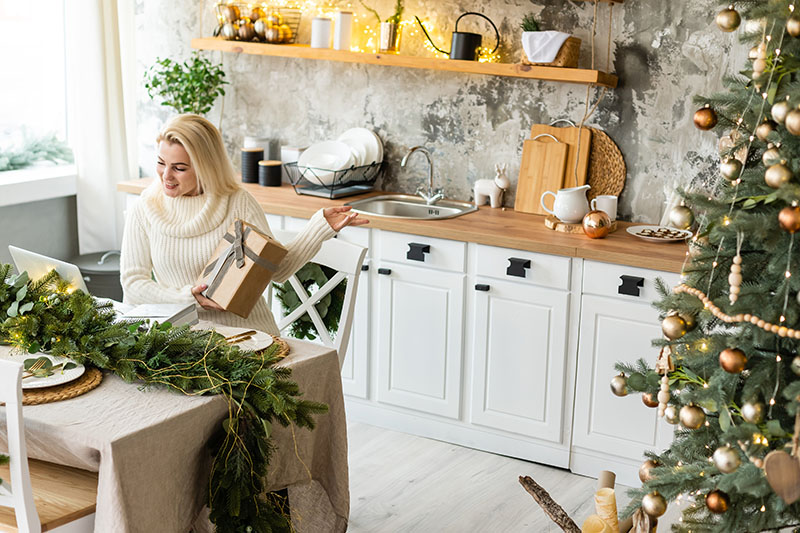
(544, 162)
(570, 136)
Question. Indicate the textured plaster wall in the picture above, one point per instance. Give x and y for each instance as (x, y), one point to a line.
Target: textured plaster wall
(663, 51)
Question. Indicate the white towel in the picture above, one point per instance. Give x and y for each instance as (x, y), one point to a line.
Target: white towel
(542, 46)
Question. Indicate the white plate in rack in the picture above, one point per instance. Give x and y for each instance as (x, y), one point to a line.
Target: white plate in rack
(59, 377)
(659, 233)
(320, 161)
(369, 140)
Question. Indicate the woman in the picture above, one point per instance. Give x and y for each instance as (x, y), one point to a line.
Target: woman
(173, 230)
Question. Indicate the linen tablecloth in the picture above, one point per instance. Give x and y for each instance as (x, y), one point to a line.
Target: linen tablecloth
(149, 449)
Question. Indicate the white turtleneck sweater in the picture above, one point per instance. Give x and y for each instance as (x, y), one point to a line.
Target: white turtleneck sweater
(172, 239)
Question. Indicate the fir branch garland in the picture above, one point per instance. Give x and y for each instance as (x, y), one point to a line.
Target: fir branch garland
(49, 316)
(45, 148)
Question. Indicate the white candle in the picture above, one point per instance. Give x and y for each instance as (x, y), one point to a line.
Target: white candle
(320, 32)
(343, 30)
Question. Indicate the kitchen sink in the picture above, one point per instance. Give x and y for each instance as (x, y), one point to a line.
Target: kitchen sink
(408, 206)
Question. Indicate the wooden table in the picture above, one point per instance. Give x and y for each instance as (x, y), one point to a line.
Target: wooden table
(149, 448)
(495, 227)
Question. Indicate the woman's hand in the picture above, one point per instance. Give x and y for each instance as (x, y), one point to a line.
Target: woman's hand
(205, 303)
(339, 218)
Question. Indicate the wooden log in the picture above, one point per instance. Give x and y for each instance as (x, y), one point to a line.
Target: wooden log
(556, 513)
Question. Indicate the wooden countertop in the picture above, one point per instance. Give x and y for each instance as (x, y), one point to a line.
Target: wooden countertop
(494, 227)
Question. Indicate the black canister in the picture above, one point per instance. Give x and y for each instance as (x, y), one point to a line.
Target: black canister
(250, 159)
(269, 173)
(100, 271)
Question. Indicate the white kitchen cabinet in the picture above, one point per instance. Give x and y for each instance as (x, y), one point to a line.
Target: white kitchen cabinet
(611, 433)
(519, 358)
(420, 326)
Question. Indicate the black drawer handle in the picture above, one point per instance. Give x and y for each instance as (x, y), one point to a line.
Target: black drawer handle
(517, 266)
(417, 251)
(364, 268)
(385, 271)
(630, 285)
(481, 287)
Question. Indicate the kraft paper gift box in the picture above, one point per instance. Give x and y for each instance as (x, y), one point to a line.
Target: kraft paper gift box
(241, 268)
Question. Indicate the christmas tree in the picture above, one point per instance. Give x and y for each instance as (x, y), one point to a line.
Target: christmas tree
(728, 373)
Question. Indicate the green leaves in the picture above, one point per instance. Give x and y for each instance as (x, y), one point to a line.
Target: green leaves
(188, 87)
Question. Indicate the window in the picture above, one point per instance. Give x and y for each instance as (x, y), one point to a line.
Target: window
(33, 91)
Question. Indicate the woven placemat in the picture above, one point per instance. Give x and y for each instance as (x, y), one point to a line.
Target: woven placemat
(606, 166)
(88, 381)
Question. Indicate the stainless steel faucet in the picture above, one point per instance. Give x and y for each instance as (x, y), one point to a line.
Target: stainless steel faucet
(431, 196)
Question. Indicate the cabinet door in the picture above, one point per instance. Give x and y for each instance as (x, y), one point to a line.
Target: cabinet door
(520, 334)
(420, 328)
(356, 360)
(615, 330)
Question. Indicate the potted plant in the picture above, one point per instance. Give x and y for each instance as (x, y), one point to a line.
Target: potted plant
(552, 48)
(188, 87)
(390, 28)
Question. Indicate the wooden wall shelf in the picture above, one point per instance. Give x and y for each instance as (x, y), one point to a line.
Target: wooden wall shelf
(565, 75)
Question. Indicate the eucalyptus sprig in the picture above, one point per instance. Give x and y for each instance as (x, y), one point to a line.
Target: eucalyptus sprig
(395, 18)
(188, 87)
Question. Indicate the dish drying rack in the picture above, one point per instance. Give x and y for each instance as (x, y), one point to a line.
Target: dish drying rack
(346, 182)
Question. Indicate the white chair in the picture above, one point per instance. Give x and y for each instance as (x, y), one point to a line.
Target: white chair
(64, 497)
(346, 259)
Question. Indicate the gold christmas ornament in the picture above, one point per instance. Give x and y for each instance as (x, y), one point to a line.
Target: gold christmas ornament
(771, 155)
(649, 400)
(654, 504)
(619, 385)
(230, 30)
(759, 65)
(646, 470)
(231, 13)
(691, 416)
(673, 327)
(789, 219)
(793, 26)
(717, 501)
(726, 459)
(732, 360)
(753, 412)
(728, 19)
(792, 122)
(730, 169)
(246, 31)
(777, 175)
(795, 366)
(764, 129)
(671, 415)
(596, 224)
(780, 110)
(681, 217)
(753, 53)
(705, 118)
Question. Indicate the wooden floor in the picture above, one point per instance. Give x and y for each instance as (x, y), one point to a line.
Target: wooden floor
(401, 483)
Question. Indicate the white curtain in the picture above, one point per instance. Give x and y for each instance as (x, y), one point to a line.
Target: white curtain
(101, 113)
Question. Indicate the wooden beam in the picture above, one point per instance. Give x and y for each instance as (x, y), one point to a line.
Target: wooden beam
(517, 70)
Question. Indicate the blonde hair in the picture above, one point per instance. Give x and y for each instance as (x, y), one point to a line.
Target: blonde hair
(203, 142)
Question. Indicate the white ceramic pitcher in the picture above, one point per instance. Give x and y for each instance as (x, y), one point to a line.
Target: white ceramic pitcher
(570, 205)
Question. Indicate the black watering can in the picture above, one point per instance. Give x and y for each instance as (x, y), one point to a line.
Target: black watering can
(465, 45)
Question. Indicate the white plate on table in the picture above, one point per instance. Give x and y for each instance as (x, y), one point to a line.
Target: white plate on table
(659, 233)
(320, 161)
(257, 341)
(59, 377)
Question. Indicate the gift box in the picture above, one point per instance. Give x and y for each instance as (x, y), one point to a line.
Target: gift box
(242, 266)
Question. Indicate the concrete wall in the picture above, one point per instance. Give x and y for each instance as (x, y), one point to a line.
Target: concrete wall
(664, 52)
(48, 227)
